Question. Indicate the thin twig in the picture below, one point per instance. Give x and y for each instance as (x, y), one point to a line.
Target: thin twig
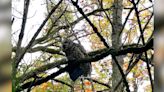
(143, 41)
(91, 24)
(36, 34)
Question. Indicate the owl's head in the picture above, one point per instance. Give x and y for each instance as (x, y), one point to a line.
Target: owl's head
(66, 44)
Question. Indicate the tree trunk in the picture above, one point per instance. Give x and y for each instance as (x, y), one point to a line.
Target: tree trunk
(116, 42)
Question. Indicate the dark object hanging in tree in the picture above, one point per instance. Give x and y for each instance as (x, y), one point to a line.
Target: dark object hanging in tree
(75, 52)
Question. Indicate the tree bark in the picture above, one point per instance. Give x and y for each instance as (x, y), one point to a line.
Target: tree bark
(116, 42)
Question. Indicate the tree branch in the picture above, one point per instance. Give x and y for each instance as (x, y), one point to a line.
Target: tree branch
(143, 41)
(63, 83)
(41, 48)
(95, 58)
(71, 24)
(41, 69)
(128, 70)
(98, 82)
(122, 74)
(36, 34)
(25, 12)
(90, 23)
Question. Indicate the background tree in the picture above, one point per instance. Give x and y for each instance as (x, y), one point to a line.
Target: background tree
(117, 35)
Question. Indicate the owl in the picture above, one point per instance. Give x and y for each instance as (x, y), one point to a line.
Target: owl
(76, 52)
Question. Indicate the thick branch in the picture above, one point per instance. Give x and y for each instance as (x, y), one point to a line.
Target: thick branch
(95, 58)
(41, 69)
(25, 12)
(41, 48)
